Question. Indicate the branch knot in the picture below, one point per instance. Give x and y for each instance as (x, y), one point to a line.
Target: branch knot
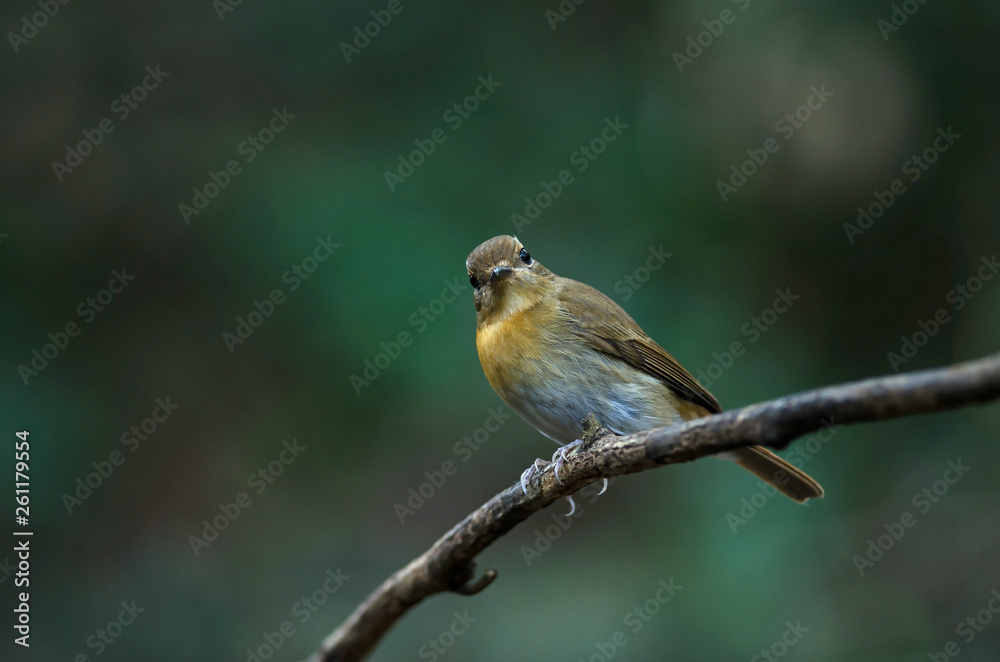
(463, 584)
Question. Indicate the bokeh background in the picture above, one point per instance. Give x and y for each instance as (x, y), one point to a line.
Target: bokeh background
(335, 506)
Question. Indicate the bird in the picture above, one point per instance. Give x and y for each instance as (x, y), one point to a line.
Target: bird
(557, 350)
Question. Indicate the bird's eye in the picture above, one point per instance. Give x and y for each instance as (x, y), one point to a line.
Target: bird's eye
(474, 281)
(525, 257)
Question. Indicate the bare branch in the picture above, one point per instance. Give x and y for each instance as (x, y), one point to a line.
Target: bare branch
(448, 565)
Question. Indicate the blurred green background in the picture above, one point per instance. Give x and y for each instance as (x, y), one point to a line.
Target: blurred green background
(334, 506)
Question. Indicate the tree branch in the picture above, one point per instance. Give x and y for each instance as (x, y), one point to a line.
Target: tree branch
(448, 565)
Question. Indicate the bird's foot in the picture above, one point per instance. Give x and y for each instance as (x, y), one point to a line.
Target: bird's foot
(559, 457)
(530, 472)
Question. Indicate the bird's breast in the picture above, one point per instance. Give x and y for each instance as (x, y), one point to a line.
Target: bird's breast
(516, 350)
(548, 375)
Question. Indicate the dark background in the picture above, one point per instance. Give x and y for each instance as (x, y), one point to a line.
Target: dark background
(656, 185)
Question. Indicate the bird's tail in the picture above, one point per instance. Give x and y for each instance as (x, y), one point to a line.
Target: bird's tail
(790, 481)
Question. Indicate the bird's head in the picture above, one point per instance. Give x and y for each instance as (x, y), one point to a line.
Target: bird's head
(505, 279)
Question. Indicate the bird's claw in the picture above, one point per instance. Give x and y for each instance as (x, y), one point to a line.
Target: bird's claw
(529, 473)
(559, 457)
(572, 506)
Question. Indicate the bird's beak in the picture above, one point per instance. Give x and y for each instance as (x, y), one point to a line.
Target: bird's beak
(500, 272)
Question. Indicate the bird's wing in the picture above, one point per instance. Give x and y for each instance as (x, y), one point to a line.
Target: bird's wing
(602, 324)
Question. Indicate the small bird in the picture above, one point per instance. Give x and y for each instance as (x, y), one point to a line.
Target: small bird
(556, 350)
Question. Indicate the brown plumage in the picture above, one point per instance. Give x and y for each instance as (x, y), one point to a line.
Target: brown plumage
(556, 350)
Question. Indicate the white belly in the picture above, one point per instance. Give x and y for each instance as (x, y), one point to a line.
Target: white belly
(557, 403)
